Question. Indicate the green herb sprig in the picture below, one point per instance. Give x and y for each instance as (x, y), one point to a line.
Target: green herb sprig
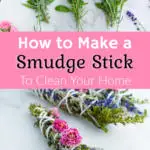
(77, 8)
(112, 10)
(41, 9)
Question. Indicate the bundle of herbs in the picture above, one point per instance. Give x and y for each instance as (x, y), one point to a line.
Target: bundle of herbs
(57, 131)
(99, 106)
(112, 10)
(41, 9)
(77, 8)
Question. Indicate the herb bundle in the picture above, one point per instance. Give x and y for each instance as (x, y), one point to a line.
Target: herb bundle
(101, 107)
(112, 10)
(77, 8)
(41, 9)
(57, 131)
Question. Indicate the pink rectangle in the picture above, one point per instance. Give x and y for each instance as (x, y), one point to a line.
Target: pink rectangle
(19, 50)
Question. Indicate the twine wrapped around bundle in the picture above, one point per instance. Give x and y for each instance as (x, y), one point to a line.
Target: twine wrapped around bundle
(57, 132)
(99, 106)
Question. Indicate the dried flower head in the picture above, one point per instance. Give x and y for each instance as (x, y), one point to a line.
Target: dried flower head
(70, 138)
(6, 26)
(60, 125)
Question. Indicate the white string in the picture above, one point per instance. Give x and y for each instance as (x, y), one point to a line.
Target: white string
(81, 101)
(94, 92)
(38, 108)
(47, 131)
(40, 92)
(43, 120)
(65, 99)
(110, 94)
(55, 136)
(91, 91)
(99, 91)
(43, 114)
(118, 101)
(93, 102)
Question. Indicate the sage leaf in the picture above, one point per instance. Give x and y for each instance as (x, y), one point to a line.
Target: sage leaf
(50, 1)
(29, 6)
(40, 8)
(98, 5)
(69, 1)
(62, 8)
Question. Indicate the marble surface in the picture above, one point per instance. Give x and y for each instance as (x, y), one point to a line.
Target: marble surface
(18, 133)
(24, 18)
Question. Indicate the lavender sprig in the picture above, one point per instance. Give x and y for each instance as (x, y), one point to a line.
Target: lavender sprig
(136, 22)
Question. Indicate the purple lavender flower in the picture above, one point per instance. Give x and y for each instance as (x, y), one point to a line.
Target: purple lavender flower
(135, 21)
(130, 107)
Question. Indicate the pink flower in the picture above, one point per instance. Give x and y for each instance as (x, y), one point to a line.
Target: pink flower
(71, 138)
(60, 125)
(7, 27)
(55, 112)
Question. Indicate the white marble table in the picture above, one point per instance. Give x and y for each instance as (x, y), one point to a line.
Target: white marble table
(18, 133)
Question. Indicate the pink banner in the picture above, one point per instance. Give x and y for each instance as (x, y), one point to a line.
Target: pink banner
(74, 60)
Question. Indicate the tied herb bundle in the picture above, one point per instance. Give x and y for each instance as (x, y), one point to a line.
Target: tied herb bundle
(57, 131)
(41, 9)
(112, 10)
(100, 106)
(77, 8)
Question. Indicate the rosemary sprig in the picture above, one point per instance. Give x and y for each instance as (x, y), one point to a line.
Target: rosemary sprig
(112, 10)
(77, 8)
(41, 9)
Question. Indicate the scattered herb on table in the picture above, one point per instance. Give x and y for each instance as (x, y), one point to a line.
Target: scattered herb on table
(41, 9)
(77, 8)
(112, 10)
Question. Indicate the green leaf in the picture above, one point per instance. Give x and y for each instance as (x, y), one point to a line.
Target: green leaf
(50, 1)
(62, 8)
(69, 1)
(29, 6)
(98, 5)
(41, 9)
